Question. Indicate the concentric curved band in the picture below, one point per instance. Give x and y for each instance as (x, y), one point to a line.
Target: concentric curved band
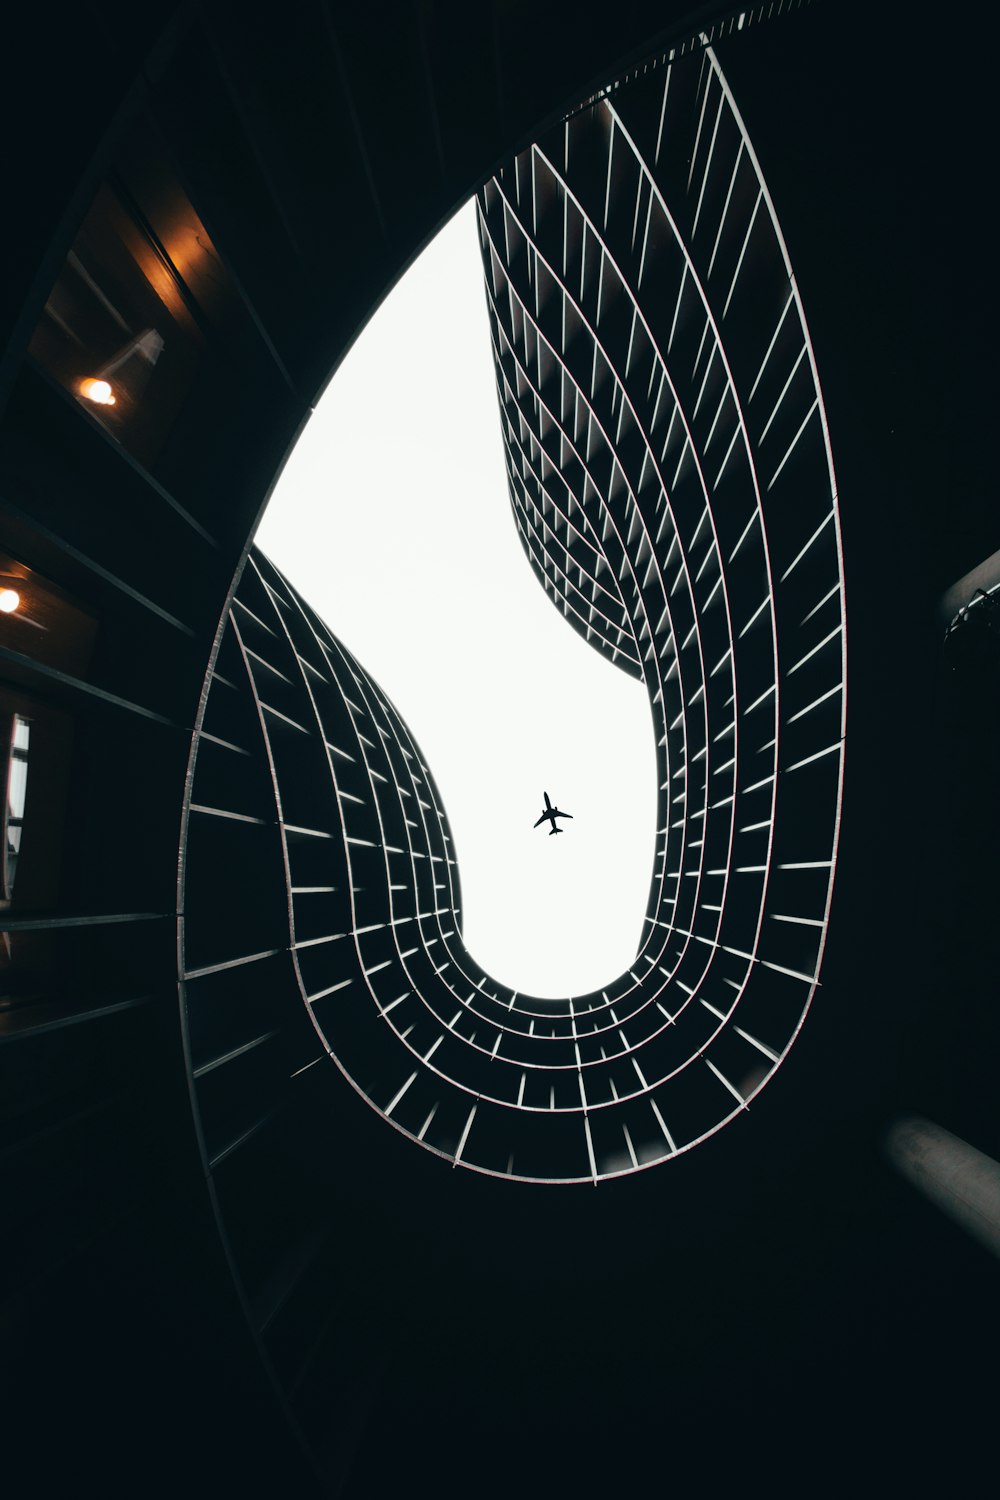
(672, 482)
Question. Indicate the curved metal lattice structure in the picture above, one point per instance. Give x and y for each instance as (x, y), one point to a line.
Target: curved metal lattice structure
(671, 479)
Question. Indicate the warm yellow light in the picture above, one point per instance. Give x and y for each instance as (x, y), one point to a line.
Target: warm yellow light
(9, 600)
(98, 391)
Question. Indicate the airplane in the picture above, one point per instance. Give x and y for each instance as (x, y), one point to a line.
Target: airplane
(552, 813)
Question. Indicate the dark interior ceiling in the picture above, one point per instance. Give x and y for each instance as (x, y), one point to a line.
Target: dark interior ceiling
(776, 1307)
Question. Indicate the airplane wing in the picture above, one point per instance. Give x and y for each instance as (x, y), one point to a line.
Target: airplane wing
(557, 813)
(541, 819)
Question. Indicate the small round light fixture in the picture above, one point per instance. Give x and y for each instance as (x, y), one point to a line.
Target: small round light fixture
(98, 391)
(9, 600)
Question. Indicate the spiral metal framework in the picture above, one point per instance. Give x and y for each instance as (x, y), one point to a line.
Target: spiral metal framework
(671, 479)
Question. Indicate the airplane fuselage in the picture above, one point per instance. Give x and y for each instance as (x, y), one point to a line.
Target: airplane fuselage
(550, 813)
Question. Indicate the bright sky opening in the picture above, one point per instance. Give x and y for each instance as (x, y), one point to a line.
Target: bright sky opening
(392, 518)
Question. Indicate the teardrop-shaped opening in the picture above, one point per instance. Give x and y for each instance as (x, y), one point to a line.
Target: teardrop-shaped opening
(393, 519)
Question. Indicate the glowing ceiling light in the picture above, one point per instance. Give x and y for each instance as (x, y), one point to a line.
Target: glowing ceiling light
(98, 391)
(9, 600)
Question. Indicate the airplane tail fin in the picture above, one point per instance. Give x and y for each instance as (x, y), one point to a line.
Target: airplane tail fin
(555, 830)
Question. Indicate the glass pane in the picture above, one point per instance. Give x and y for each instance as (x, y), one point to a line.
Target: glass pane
(18, 736)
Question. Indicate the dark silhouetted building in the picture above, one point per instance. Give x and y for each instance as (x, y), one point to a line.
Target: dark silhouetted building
(236, 1003)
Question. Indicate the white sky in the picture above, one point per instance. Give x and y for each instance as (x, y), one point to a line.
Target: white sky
(392, 519)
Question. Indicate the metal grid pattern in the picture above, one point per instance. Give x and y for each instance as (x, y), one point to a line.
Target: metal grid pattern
(671, 478)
